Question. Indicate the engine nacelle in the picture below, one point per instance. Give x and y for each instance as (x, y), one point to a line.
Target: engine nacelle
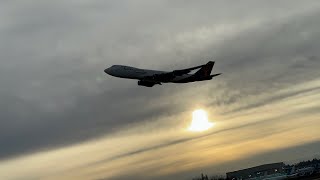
(146, 83)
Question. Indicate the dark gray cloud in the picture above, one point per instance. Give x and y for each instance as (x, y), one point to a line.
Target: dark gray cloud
(92, 117)
(54, 92)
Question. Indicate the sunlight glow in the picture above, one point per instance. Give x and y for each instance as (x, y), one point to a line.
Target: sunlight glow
(200, 121)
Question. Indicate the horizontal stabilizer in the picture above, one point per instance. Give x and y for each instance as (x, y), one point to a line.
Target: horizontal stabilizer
(213, 75)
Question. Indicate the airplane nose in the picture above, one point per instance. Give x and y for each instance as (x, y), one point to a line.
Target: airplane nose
(107, 70)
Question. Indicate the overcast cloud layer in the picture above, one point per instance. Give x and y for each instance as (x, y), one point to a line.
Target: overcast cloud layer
(58, 105)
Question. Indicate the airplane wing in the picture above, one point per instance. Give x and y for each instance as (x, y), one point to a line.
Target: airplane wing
(185, 71)
(166, 77)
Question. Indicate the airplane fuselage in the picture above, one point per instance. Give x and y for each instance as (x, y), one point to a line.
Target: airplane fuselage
(149, 78)
(129, 72)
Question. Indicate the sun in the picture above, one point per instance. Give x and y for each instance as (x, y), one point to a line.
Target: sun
(200, 121)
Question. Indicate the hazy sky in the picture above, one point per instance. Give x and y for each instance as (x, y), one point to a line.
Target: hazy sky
(62, 117)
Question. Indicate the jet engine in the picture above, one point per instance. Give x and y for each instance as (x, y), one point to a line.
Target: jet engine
(146, 83)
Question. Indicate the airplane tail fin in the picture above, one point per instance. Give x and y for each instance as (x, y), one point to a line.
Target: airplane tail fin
(205, 70)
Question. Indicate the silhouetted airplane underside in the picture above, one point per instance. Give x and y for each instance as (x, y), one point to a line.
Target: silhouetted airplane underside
(149, 78)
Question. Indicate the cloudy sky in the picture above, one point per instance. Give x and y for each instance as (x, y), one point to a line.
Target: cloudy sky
(61, 117)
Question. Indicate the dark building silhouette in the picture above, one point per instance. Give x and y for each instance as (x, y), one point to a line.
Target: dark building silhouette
(258, 171)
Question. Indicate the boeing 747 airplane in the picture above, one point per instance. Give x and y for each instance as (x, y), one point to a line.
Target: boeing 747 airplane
(149, 78)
